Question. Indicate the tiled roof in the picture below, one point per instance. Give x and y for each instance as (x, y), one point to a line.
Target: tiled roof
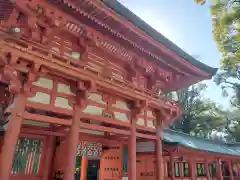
(201, 143)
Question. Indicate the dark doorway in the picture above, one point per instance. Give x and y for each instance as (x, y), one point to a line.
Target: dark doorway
(92, 171)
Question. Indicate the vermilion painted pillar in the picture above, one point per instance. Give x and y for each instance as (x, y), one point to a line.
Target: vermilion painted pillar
(48, 160)
(207, 170)
(159, 155)
(172, 172)
(181, 170)
(11, 136)
(230, 170)
(192, 165)
(72, 141)
(219, 170)
(84, 166)
(132, 152)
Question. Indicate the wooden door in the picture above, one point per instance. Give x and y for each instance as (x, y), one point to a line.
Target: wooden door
(111, 163)
(151, 167)
(140, 167)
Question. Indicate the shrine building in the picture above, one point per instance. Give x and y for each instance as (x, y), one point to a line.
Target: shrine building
(83, 97)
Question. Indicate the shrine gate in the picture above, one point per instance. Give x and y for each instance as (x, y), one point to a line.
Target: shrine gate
(82, 83)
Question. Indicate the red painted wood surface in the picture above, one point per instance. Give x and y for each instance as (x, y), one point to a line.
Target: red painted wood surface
(6, 9)
(84, 168)
(146, 167)
(111, 164)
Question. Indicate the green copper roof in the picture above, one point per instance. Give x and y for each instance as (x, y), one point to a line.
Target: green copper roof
(138, 22)
(201, 144)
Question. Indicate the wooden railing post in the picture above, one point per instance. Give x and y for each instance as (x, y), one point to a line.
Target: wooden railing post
(192, 165)
(219, 169)
(230, 169)
(207, 170)
(132, 142)
(172, 172)
(159, 156)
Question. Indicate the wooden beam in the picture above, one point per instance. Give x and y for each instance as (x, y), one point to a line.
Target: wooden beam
(41, 132)
(105, 120)
(146, 136)
(47, 119)
(73, 72)
(144, 36)
(104, 129)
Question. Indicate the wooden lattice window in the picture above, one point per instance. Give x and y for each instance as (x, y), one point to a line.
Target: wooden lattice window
(177, 169)
(186, 169)
(212, 170)
(27, 156)
(168, 169)
(201, 171)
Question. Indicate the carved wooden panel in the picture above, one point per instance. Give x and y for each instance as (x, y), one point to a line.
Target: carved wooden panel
(91, 149)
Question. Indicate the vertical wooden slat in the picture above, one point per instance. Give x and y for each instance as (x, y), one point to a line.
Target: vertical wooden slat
(172, 167)
(219, 169)
(207, 170)
(132, 151)
(230, 169)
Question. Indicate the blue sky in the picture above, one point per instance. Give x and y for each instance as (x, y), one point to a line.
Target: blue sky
(189, 26)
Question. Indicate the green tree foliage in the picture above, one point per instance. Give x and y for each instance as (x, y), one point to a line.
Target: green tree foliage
(232, 125)
(226, 18)
(226, 27)
(200, 116)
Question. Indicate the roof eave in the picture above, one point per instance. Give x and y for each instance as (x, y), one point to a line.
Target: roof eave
(138, 22)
